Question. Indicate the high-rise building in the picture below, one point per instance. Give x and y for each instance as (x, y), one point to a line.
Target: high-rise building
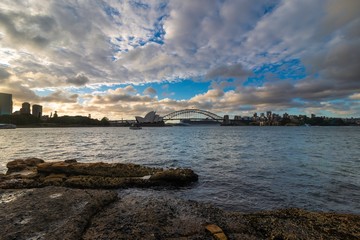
(269, 115)
(25, 109)
(37, 110)
(6, 104)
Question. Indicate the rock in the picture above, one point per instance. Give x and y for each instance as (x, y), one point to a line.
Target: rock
(50, 212)
(141, 214)
(66, 213)
(146, 214)
(20, 165)
(216, 231)
(71, 161)
(96, 169)
(70, 173)
(175, 176)
(295, 224)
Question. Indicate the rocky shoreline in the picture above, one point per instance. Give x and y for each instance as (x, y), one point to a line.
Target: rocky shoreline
(69, 200)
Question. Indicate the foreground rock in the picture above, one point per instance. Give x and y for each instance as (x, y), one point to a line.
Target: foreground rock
(33, 173)
(64, 213)
(146, 214)
(49, 213)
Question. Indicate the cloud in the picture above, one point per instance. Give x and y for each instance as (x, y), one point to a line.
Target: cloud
(120, 95)
(79, 80)
(26, 29)
(228, 71)
(60, 97)
(4, 74)
(49, 45)
(150, 91)
(355, 96)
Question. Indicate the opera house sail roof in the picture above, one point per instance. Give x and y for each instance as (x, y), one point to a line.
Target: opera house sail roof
(150, 117)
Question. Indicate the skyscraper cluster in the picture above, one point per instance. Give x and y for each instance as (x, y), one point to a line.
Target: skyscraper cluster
(6, 107)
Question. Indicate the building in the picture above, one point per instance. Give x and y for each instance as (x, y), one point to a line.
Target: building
(150, 117)
(37, 110)
(269, 115)
(6, 104)
(226, 119)
(25, 108)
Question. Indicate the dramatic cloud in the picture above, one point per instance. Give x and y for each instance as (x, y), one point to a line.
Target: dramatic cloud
(230, 71)
(228, 56)
(4, 74)
(79, 80)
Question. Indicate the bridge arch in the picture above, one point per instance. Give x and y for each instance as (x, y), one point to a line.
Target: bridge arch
(189, 114)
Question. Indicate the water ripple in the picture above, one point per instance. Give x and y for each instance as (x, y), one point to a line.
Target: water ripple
(240, 168)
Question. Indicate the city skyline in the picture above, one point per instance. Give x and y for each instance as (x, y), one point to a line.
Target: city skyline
(121, 59)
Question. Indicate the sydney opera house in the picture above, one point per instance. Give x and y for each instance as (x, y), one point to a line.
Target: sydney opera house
(150, 118)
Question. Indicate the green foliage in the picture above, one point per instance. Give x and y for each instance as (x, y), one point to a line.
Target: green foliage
(105, 121)
(319, 121)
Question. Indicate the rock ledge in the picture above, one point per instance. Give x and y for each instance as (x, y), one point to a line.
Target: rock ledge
(34, 173)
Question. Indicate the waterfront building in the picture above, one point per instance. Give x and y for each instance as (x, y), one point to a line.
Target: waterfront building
(150, 117)
(37, 110)
(6, 104)
(25, 108)
(255, 117)
(285, 116)
(226, 119)
(269, 115)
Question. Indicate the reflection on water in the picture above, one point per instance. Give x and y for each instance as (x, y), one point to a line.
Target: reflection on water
(240, 168)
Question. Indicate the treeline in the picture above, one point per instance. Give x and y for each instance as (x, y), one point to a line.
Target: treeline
(318, 121)
(27, 119)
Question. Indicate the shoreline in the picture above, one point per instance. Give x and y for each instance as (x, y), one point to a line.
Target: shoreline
(68, 213)
(71, 200)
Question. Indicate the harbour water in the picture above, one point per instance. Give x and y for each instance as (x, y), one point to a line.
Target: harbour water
(240, 168)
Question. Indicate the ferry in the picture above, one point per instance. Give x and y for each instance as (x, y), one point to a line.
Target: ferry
(7, 126)
(135, 127)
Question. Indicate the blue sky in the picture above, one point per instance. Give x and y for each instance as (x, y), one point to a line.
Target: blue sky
(125, 58)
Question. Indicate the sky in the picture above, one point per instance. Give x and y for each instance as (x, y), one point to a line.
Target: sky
(122, 59)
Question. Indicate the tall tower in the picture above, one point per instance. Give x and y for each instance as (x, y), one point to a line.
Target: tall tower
(25, 109)
(37, 110)
(6, 104)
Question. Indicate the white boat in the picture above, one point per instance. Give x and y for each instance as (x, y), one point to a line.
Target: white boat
(7, 126)
(135, 127)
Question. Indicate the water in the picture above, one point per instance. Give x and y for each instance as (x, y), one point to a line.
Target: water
(240, 168)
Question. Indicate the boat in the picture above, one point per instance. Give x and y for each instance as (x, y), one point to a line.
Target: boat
(135, 126)
(7, 126)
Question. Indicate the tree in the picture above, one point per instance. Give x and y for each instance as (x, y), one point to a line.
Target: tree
(105, 121)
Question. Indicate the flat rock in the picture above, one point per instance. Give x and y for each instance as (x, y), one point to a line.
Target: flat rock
(50, 212)
(66, 213)
(21, 165)
(148, 214)
(294, 224)
(142, 214)
(33, 173)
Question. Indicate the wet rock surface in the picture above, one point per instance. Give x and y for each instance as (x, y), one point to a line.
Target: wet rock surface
(33, 173)
(64, 213)
(50, 212)
(141, 214)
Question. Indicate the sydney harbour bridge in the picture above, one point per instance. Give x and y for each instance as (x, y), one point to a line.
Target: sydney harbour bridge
(192, 114)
